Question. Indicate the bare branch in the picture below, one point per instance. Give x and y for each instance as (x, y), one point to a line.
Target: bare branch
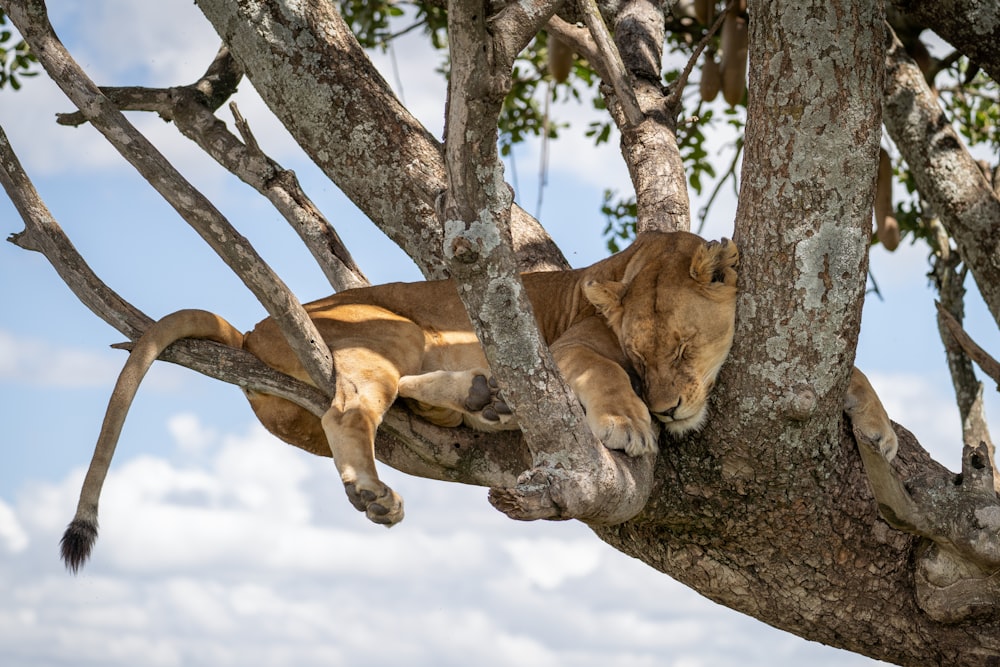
(282, 188)
(945, 174)
(986, 362)
(190, 108)
(214, 87)
(612, 63)
(574, 475)
(32, 22)
(337, 104)
(674, 101)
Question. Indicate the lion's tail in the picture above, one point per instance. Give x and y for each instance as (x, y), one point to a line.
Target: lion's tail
(82, 531)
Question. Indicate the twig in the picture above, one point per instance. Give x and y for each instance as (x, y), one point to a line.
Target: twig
(190, 109)
(614, 65)
(987, 363)
(32, 22)
(730, 173)
(674, 100)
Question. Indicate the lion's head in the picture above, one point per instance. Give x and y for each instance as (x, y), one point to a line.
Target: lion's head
(673, 312)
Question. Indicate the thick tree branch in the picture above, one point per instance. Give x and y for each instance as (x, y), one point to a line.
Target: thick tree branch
(650, 146)
(573, 475)
(946, 175)
(326, 92)
(32, 21)
(971, 26)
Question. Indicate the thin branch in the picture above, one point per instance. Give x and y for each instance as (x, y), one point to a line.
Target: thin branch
(190, 109)
(32, 21)
(213, 88)
(573, 475)
(985, 361)
(960, 350)
(674, 100)
(612, 61)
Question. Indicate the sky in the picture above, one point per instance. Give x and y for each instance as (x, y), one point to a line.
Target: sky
(220, 545)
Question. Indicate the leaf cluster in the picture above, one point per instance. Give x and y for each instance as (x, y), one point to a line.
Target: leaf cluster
(530, 109)
(16, 60)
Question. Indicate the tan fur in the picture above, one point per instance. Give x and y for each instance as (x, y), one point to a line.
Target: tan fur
(640, 338)
(657, 318)
(867, 414)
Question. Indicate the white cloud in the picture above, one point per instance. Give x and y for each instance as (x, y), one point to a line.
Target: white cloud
(41, 363)
(550, 562)
(12, 534)
(232, 556)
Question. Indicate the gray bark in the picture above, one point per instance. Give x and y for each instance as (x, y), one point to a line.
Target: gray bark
(945, 173)
(971, 26)
(769, 510)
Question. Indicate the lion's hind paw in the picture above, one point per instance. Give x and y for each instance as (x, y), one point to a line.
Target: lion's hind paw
(485, 398)
(382, 506)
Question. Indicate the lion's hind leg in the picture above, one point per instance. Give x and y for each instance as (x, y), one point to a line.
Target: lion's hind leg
(449, 398)
(367, 378)
(350, 425)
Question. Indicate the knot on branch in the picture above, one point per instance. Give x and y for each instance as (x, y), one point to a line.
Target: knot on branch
(958, 566)
(612, 494)
(466, 244)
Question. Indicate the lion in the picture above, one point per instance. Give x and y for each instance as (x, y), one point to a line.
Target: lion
(639, 337)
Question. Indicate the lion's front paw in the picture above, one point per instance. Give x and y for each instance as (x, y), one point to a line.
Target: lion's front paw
(868, 417)
(635, 434)
(380, 504)
(876, 429)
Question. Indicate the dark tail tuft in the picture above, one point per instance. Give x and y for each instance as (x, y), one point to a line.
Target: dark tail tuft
(77, 542)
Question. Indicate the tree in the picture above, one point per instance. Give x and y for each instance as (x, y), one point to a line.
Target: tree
(770, 509)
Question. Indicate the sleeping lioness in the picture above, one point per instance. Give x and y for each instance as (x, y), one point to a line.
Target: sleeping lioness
(640, 338)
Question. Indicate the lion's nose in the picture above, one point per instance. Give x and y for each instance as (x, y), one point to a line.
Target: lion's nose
(668, 414)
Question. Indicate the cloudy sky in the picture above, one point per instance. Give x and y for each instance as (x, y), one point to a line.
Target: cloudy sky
(221, 546)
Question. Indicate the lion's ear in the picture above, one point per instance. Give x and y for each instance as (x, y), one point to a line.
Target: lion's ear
(715, 262)
(607, 298)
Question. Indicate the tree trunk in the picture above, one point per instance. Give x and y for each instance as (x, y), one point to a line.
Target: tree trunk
(768, 510)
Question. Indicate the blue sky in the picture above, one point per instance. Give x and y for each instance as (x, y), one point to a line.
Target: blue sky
(220, 545)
